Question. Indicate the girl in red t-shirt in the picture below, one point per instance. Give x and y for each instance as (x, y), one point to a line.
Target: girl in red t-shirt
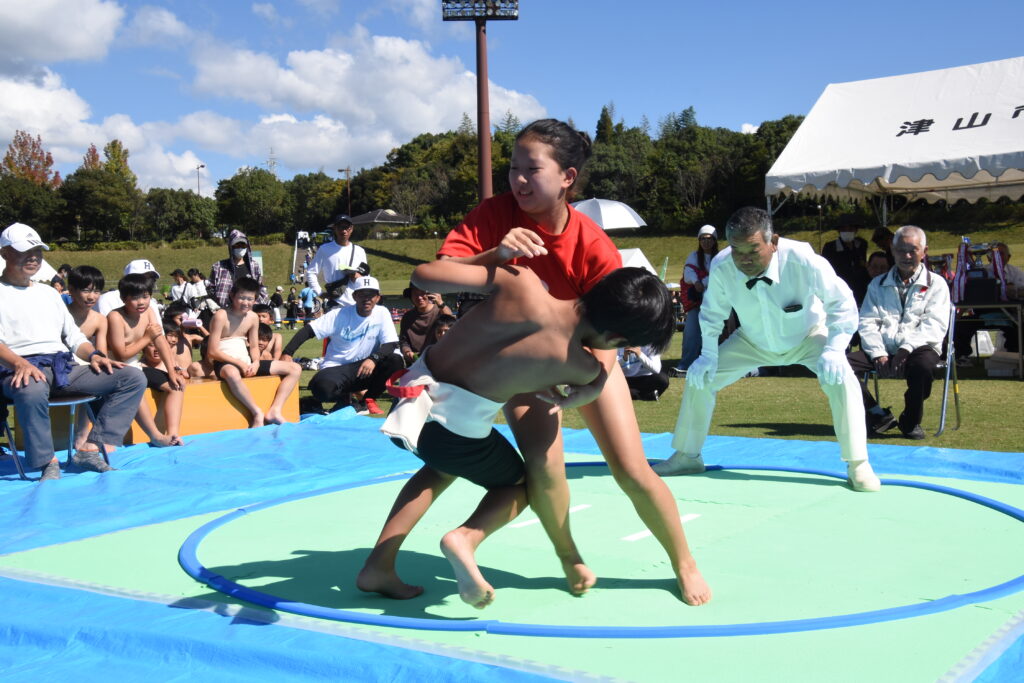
(533, 225)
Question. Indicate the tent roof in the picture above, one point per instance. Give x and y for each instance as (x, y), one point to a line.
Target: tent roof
(936, 135)
(635, 258)
(382, 216)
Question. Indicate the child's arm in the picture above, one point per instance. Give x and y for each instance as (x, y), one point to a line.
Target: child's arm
(253, 341)
(276, 344)
(447, 275)
(173, 377)
(101, 332)
(565, 396)
(117, 332)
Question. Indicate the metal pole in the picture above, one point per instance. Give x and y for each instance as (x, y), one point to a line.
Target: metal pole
(483, 112)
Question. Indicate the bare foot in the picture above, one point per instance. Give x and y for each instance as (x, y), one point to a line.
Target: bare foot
(386, 583)
(693, 587)
(578, 576)
(165, 440)
(274, 417)
(473, 589)
(257, 420)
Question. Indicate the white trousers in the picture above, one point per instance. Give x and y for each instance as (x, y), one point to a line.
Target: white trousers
(737, 357)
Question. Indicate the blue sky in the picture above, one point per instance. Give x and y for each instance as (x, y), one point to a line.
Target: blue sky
(333, 83)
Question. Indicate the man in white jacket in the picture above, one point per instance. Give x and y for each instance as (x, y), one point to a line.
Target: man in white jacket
(903, 321)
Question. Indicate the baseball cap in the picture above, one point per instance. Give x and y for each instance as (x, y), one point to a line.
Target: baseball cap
(21, 237)
(340, 218)
(141, 266)
(280, 288)
(707, 230)
(365, 282)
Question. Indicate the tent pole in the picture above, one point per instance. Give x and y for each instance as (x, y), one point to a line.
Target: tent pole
(768, 202)
(885, 211)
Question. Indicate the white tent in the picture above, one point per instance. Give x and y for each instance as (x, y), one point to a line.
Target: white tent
(937, 135)
(635, 258)
(45, 273)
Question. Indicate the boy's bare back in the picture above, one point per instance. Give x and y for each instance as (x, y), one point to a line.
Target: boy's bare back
(518, 341)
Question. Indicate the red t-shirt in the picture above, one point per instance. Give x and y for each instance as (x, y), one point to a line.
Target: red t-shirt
(576, 260)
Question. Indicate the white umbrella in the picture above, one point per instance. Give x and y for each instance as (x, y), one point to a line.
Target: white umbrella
(610, 214)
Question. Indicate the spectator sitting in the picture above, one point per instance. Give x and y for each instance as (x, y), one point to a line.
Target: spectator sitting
(276, 343)
(234, 350)
(85, 284)
(178, 315)
(443, 323)
(239, 263)
(417, 331)
(129, 331)
(181, 350)
(1013, 275)
(903, 321)
(882, 238)
(361, 351)
(266, 343)
(642, 368)
(108, 301)
(878, 264)
(58, 284)
(37, 339)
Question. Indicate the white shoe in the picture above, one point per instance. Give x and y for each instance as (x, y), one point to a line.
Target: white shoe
(861, 476)
(679, 464)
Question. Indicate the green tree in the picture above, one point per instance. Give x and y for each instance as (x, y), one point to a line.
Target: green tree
(101, 205)
(26, 158)
(25, 201)
(254, 201)
(313, 199)
(116, 155)
(179, 214)
(91, 160)
(509, 123)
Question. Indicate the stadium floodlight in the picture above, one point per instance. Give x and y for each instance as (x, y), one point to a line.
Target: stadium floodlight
(480, 12)
(471, 10)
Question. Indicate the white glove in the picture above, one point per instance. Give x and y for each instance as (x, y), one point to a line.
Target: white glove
(832, 367)
(702, 371)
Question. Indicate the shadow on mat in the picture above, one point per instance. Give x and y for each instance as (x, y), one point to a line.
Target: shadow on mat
(733, 475)
(327, 579)
(787, 429)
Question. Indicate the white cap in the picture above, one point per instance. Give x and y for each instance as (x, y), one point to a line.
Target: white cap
(21, 237)
(707, 230)
(280, 288)
(365, 282)
(140, 266)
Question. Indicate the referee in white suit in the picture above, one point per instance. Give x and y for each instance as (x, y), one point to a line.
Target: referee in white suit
(793, 309)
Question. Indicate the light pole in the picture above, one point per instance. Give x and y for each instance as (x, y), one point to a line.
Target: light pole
(480, 11)
(348, 186)
(819, 228)
(198, 190)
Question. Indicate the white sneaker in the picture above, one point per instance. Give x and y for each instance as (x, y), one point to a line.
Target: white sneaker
(679, 464)
(861, 476)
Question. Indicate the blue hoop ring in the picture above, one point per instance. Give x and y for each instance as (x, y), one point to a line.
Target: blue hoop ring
(190, 563)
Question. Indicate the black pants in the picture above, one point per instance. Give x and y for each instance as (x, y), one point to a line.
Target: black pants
(642, 386)
(336, 383)
(919, 371)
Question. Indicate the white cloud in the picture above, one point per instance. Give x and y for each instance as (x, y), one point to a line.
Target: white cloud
(156, 26)
(55, 30)
(321, 7)
(371, 83)
(423, 14)
(267, 11)
(748, 128)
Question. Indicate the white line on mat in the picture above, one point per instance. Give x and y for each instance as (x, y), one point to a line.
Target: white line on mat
(575, 508)
(645, 533)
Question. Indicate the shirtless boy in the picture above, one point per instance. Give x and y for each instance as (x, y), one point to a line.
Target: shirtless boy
(130, 329)
(85, 284)
(234, 350)
(520, 340)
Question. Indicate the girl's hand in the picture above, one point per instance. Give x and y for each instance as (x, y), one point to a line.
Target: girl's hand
(520, 243)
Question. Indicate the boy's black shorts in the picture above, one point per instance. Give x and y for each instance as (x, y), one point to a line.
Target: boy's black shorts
(264, 370)
(154, 378)
(491, 462)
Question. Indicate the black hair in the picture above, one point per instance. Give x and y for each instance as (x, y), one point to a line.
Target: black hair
(66, 267)
(244, 284)
(175, 308)
(265, 332)
(704, 260)
(263, 308)
(571, 147)
(445, 319)
(192, 272)
(134, 285)
(178, 271)
(84, 277)
(171, 328)
(881, 236)
(878, 254)
(634, 303)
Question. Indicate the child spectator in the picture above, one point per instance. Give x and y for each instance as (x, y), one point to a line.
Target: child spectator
(85, 284)
(129, 331)
(234, 350)
(191, 328)
(179, 288)
(277, 303)
(58, 284)
(443, 323)
(265, 315)
(266, 342)
(181, 349)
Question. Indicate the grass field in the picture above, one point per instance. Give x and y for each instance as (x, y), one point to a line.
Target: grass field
(780, 407)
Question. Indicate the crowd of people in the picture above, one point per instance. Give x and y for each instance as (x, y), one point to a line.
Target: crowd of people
(552, 321)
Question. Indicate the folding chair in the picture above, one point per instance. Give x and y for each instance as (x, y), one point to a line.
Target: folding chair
(72, 401)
